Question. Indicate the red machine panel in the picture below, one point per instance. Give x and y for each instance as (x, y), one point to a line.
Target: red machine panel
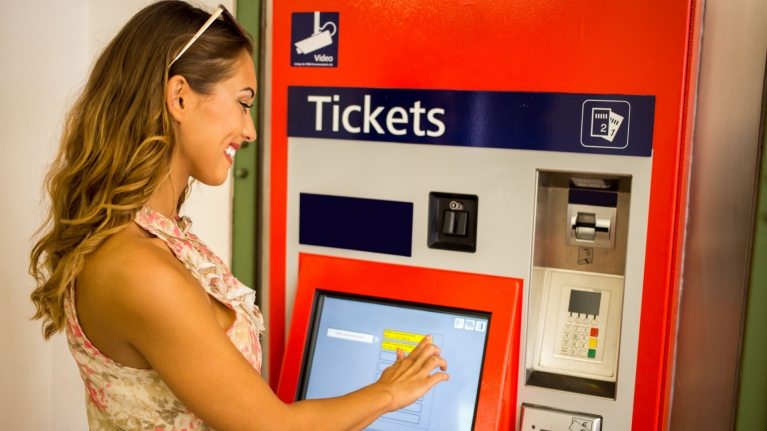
(497, 295)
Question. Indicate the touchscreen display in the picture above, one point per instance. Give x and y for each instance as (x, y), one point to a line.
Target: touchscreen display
(354, 339)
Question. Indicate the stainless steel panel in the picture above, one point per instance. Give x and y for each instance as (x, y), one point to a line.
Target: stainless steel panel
(721, 209)
(540, 418)
(551, 220)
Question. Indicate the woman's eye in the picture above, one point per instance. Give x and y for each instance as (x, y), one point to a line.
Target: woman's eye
(245, 106)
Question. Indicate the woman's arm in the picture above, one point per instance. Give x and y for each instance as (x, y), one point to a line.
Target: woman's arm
(162, 311)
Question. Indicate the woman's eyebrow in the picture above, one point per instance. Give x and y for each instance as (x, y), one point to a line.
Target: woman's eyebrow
(252, 91)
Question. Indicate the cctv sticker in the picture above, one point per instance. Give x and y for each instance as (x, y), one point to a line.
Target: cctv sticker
(314, 39)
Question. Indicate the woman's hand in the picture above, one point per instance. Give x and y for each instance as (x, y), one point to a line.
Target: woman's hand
(409, 378)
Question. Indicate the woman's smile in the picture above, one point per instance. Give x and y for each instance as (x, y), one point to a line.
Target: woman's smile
(230, 150)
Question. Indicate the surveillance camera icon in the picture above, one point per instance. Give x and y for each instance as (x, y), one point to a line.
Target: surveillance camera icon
(319, 39)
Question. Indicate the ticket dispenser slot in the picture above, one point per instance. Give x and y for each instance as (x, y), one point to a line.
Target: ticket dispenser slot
(577, 279)
(591, 225)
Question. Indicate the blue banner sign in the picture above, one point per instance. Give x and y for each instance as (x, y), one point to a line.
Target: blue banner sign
(579, 123)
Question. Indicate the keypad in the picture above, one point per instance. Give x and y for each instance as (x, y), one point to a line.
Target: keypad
(580, 340)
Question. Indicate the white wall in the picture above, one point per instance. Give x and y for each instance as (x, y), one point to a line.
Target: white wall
(46, 48)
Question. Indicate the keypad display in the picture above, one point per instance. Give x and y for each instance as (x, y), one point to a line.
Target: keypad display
(580, 339)
(576, 337)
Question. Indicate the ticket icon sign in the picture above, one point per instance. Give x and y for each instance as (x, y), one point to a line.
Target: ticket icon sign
(605, 123)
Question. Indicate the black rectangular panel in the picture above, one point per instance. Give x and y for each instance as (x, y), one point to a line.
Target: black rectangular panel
(373, 225)
(588, 197)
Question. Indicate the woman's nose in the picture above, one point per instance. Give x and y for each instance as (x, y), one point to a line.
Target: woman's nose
(249, 133)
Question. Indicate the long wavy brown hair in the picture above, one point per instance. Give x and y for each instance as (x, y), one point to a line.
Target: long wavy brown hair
(118, 139)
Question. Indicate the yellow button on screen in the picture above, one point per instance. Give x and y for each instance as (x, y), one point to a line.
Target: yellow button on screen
(403, 336)
(394, 345)
(593, 343)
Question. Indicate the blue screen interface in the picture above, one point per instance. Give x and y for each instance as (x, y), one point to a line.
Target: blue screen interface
(354, 340)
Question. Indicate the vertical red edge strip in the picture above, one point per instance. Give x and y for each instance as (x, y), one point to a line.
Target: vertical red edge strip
(507, 415)
(278, 221)
(278, 217)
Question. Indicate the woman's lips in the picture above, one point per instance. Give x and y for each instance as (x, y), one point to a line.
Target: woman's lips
(230, 150)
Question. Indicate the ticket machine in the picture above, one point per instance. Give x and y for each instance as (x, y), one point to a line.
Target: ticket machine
(516, 165)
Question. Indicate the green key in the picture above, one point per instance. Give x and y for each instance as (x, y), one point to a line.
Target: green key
(592, 353)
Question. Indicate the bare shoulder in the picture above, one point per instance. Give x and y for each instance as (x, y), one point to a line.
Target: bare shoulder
(134, 262)
(129, 284)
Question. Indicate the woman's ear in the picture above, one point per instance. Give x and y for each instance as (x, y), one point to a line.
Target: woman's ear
(177, 97)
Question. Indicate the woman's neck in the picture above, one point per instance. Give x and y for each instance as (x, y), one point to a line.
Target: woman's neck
(165, 198)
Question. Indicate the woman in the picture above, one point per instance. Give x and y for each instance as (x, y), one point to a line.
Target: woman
(164, 336)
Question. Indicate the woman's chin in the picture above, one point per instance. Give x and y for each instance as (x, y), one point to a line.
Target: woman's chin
(213, 179)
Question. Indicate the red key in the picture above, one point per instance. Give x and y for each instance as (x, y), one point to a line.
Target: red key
(594, 332)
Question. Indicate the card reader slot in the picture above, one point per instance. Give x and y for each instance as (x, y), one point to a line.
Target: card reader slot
(580, 385)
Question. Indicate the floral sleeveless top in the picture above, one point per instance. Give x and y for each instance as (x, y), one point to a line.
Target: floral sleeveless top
(124, 398)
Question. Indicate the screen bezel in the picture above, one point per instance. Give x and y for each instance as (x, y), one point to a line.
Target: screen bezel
(316, 314)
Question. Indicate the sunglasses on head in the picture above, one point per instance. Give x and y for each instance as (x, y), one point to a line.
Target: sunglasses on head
(227, 17)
